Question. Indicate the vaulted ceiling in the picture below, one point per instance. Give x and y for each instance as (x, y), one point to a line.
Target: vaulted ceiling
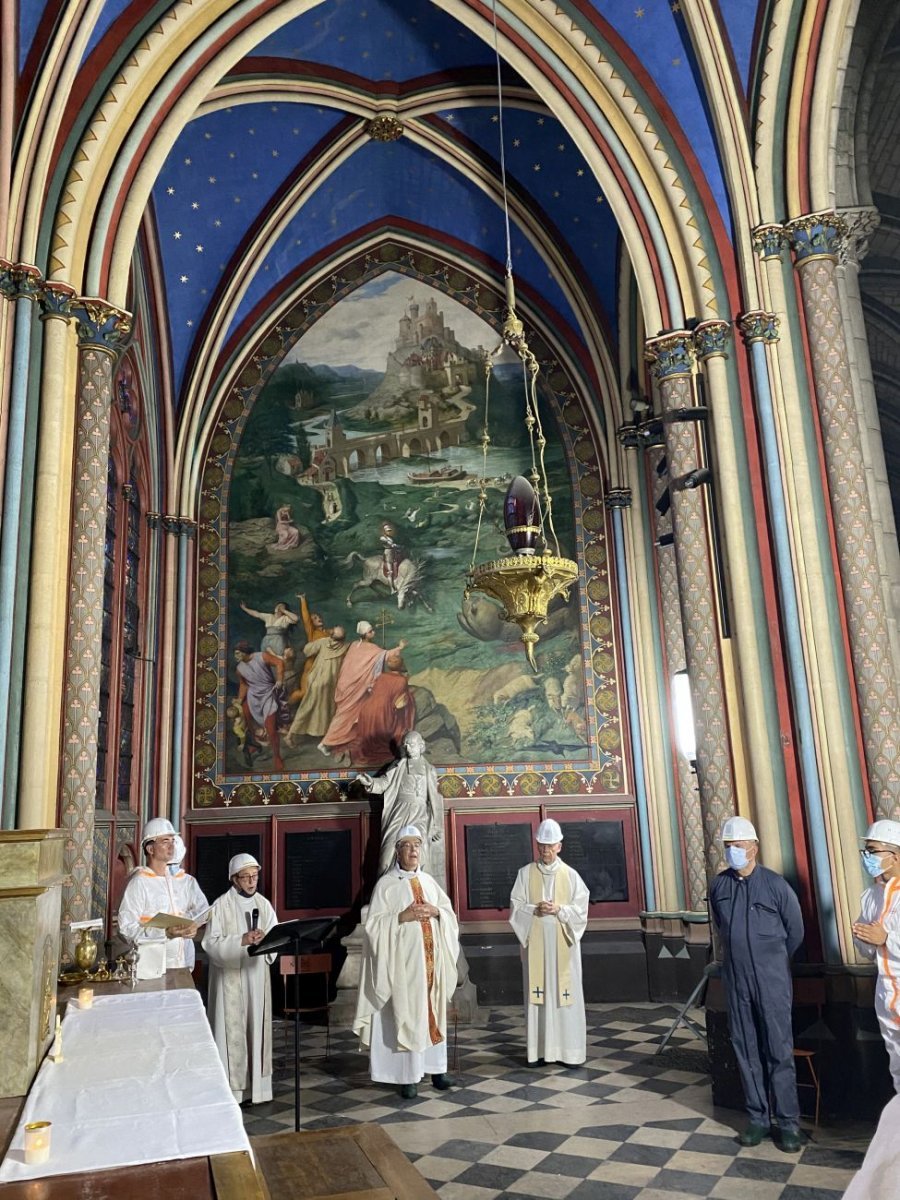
(273, 170)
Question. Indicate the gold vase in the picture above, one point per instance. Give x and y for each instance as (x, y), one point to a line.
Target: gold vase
(85, 950)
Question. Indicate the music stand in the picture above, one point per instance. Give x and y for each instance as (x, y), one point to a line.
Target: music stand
(302, 936)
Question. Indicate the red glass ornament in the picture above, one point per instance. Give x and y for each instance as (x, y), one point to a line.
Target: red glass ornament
(520, 516)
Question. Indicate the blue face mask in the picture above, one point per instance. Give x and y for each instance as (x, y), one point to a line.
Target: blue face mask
(872, 863)
(736, 857)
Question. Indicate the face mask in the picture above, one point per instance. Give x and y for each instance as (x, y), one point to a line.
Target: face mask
(872, 863)
(736, 857)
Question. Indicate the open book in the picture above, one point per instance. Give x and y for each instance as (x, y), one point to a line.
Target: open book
(164, 920)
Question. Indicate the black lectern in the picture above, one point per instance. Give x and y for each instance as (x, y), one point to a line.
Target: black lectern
(303, 937)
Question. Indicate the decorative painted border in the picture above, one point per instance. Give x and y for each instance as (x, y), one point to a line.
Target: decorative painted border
(606, 770)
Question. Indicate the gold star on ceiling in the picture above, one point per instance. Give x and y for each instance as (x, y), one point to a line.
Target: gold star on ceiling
(639, 13)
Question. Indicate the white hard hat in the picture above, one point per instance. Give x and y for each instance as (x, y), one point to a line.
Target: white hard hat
(549, 832)
(158, 827)
(239, 862)
(363, 627)
(739, 829)
(408, 832)
(883, 831)
(179, 852)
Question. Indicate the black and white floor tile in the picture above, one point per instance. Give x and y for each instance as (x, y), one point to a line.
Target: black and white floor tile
(628, 1125)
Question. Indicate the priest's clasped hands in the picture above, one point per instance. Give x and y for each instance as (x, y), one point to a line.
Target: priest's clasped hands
(253, 937)
(546, 908)
(418, 912)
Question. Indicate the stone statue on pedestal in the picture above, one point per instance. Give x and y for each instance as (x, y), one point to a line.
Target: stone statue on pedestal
(411, 797)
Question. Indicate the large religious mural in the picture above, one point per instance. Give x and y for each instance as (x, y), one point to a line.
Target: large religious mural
(352, 518)
(338, 519)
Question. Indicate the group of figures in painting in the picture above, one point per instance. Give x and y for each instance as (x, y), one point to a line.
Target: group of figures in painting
(349, 698)
(359, 486)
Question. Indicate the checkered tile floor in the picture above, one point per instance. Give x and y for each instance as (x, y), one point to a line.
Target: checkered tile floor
(625, 1126)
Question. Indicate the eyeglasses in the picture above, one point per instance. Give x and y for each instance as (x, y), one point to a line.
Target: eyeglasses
(871, 850)
(248, 878)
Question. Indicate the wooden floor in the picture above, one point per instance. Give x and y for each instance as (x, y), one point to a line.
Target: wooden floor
(356, 1161)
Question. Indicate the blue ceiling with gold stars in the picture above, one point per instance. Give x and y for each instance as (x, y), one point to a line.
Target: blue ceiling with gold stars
(231, 168)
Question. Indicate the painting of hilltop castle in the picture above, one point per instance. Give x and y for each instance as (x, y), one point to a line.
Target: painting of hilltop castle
(352, 517)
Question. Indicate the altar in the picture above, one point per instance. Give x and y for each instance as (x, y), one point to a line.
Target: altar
(140, 1081)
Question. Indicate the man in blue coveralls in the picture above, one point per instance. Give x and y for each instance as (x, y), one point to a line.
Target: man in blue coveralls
(758, 918)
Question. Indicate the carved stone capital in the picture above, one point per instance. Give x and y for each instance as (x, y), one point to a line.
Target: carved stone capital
(629, 436)
(769, 240)
(861, 224)
(816, 235)
(670, 354)
(102, 325)
(618, 498)
(58, 300)
(711, 339)
(20, 281)
(759, 326)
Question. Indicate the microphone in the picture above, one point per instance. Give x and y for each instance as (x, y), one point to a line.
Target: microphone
(255, 919)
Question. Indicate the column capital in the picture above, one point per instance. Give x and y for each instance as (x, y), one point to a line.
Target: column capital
(58, 300)
(711, 339)
(177, 526)
(816, 235)
(20, 281)
(861, 223)
(102, 325)
(769, 240)
(670, 354)
(759, 326)
(629, 435)
(618, 498)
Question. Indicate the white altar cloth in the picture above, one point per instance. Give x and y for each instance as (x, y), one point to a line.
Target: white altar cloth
(141, 1081)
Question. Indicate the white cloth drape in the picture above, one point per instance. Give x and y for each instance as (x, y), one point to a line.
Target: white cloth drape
(141, 1081)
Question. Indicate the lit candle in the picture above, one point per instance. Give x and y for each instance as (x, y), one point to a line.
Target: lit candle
(37, 1142)
(85, 997)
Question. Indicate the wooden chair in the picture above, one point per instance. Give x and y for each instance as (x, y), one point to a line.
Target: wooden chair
(308, 964)
(810, 992)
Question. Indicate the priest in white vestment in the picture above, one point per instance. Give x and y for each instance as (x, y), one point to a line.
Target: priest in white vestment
(410, 948)
(549, 915)
(240, 993)
(153, 889)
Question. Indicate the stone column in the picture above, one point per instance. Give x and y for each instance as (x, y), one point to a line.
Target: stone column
(102, 332)
(861, 226)
(676, 660)
(672, 362)
(815, 240)
(762, 775)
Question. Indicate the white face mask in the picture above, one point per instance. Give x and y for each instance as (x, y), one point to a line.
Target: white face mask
(736, 857)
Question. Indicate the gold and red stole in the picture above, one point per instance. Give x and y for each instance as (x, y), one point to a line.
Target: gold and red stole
(562, 894)
(434, 1032)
